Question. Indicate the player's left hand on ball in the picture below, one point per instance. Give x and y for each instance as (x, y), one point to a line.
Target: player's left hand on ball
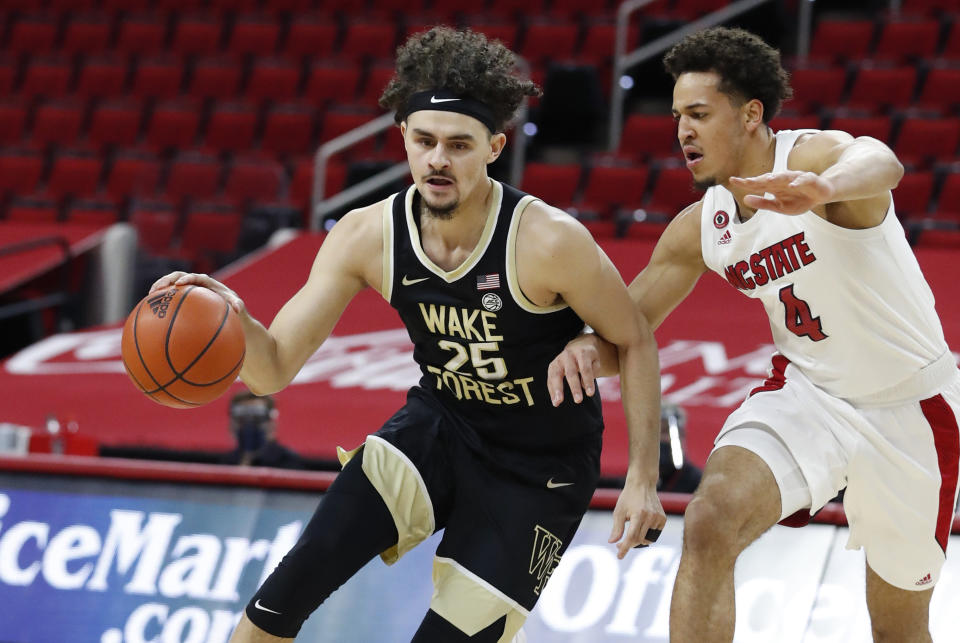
(789, 192)
(638, 510)
(577, 365)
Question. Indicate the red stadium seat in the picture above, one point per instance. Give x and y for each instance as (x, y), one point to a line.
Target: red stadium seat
(672, 192)
(133, 174)
(502, 30)
(816, 87)
(74, 175)
(155, 224)
(8, 73)
(600, 40)
(231, 127)
(337, 122)
(288, 129)
(58, 122)
(173, 124)
(33, 209)
(193, 175)
(554, 183)
(877, 126)
(142, 33)
(102, 76)
(927, 139)
(93, 212)
(275, 79)
(649, 136)
(941, 90)
(86, 34)
(158, 77)
(254, 178)
(511, 9)
(926, 7)
(32, 34)
(949, 197)
(13, 120)
(951, 49)
(877, 88)
(310, 36)
(692, 9)
(301, 185)
(215, 77)
(613, 187)
(196, 34)
(254, 35)
(20, 170)
(124, 5)
(575, 8)
(369, 39)
(912, 196)
(332, 82)
(377, 79)
(115, 122)
(783, 122)
(47, 76)
(905, 41)
(210, 230)
(553, 40)
(842, 39)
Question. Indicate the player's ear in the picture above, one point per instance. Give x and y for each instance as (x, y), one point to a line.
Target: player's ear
(752, 113)
(403, 128)
(497, 142)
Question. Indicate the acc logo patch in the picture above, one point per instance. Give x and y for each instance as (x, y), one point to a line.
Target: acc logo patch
(720, 219)
(492, 302)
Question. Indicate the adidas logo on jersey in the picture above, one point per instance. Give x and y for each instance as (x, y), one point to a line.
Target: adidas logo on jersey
(926, 580)
(725, 239)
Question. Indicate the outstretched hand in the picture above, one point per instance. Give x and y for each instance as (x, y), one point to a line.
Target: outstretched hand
(789, 192)
(180, 278)
(577, 365)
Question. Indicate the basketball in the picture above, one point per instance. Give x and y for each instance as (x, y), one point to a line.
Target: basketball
(183, 346)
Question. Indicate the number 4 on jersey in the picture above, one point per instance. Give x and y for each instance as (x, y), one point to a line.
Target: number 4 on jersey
(798, 318)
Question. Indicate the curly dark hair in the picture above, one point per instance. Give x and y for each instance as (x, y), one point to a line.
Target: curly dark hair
(748, 67)
(463, 62)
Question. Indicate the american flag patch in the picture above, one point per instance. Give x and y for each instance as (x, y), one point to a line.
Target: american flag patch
(488, 282)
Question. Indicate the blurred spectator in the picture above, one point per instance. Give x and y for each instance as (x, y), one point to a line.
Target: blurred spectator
(253, 423)
(676, 474)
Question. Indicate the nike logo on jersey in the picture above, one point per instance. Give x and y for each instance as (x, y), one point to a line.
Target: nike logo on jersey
(265, 609)
(553, 485)
(407, 281)
(435, 100)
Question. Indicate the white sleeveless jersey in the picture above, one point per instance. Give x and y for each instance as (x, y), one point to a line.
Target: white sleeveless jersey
(850, 308)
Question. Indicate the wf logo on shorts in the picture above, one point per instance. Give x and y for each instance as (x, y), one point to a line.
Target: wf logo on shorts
(544, 557)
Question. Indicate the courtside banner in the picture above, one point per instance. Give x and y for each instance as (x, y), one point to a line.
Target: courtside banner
(124, 562)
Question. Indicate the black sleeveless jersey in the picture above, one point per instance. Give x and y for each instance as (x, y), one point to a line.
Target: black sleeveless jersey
(482, 346)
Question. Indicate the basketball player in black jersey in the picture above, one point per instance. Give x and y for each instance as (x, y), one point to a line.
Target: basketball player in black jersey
(491, 284)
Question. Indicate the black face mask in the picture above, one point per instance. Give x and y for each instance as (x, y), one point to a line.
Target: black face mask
(667, 467)
(251, 436)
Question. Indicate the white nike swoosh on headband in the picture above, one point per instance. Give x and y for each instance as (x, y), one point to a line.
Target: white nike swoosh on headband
(434, 99)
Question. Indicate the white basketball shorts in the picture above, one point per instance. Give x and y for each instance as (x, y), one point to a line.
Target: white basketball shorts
(898, 461)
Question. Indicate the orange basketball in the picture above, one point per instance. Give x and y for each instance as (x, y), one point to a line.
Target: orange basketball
(183, 346)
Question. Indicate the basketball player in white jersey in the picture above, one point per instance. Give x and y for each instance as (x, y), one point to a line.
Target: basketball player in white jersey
(863, 393)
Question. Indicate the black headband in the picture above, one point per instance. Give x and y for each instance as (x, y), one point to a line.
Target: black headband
(446, 101)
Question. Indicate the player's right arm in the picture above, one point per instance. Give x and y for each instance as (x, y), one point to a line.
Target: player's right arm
(349, 259)
(674, 268)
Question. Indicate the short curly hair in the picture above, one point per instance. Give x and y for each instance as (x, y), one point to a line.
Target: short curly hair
(463, 62)
(748, 67)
